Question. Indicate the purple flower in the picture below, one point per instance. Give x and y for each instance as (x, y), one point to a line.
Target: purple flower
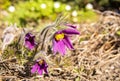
(29, 41)
(39, 67)
(70, 25)
(61, 40)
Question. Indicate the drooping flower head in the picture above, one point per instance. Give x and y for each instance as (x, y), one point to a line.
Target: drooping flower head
(9, 35)
(29, 41)
(61, 40)
(40, 66)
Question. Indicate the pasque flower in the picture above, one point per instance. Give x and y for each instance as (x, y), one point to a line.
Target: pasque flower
(70, 25)
(40, 66)
(61, 40)
(29, 41)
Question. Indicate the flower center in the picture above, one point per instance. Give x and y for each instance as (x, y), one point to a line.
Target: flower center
(59, 36)
(41, 62)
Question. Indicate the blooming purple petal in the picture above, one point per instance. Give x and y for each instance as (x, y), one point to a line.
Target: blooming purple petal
(61, 40)
(58, 46)
(70, 31)
(45, 70)
(29, 41)
(40, 67)
(29, 45)
(40, 71)
(34, 68)
(61, 47)
(68, 43)
(70, 25)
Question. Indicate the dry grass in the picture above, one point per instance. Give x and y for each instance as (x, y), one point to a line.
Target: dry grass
(99, 54)
(96, 56)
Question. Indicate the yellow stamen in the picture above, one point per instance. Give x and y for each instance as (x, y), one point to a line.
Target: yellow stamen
(41, 62)
(59, 36)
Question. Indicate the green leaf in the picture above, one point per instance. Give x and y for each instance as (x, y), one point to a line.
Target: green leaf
(118, 32)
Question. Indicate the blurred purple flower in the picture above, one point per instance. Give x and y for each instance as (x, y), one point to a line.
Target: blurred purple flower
(61, 40)
(29, 41)
(39, 67)
(70, 25)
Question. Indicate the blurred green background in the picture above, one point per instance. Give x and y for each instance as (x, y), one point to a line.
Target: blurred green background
(32, 13)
